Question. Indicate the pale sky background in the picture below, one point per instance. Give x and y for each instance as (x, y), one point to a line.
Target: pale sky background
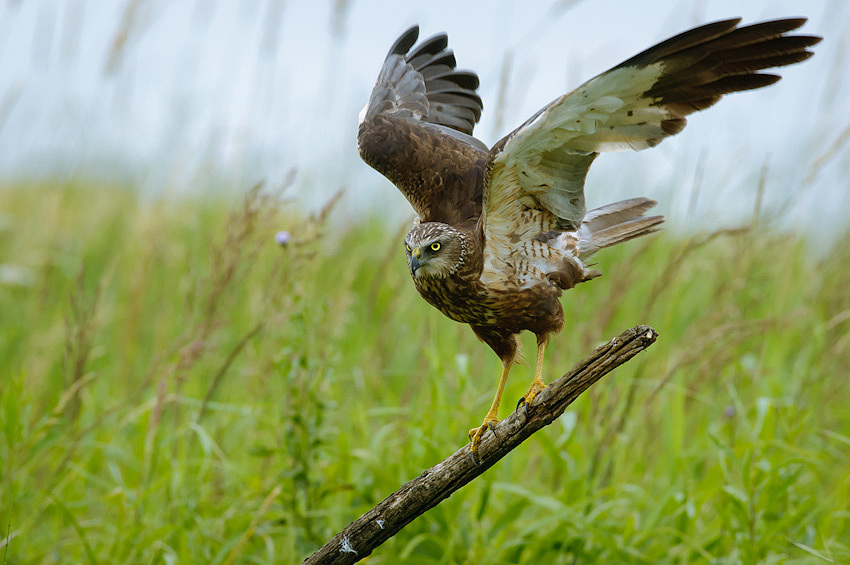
(227, 93)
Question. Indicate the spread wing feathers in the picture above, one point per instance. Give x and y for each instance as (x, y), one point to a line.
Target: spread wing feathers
(417, 129)
(538, 170)
(423, 84)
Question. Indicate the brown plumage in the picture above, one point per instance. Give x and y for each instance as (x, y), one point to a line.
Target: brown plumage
(503, 231)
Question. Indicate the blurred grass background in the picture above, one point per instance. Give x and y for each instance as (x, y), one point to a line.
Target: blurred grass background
(176, 387)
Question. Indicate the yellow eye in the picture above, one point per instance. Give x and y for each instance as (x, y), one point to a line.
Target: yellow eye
(406, 246)
(435, 246)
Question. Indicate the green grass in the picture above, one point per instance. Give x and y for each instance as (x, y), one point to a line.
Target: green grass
(175, 387)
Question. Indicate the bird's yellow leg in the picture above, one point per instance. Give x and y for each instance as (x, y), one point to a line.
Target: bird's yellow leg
(491, 419)
(537, 385)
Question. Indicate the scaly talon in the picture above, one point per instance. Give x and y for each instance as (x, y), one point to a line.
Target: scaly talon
(536, 388)
(475, 434)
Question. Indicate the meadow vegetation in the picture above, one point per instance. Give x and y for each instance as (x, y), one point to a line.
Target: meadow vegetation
(175, 387)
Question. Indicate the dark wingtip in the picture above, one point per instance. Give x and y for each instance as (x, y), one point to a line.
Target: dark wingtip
(464, 79)
(792, 23)
(716, 27)
(812, 39)
(682, 41)
(782, 26)
(432, 45)
(405, 41)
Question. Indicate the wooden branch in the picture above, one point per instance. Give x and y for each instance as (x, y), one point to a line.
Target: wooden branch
(415, 497)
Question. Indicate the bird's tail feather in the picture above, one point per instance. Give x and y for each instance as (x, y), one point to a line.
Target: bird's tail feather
(616, 223)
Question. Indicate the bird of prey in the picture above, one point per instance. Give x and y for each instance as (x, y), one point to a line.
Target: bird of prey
(501, 232)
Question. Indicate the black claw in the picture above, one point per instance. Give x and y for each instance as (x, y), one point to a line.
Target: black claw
(492, 427)
(521, 403)
(475, 461)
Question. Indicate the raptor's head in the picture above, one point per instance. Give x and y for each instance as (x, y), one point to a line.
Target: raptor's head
(435, 250)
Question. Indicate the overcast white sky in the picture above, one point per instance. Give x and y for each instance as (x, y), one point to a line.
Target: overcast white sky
(234, 92)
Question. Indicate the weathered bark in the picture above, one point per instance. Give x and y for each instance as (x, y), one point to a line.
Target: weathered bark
(415, 497)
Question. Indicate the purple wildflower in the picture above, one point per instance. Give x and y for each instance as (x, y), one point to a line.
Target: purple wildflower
(282, 238)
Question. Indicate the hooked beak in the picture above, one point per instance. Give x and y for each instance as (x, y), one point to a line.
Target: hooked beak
(415, 263)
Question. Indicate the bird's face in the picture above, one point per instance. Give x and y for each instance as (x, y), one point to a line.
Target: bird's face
(434, 250)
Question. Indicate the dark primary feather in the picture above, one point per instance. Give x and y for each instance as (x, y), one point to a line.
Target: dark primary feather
(703, 64)
(405, 41)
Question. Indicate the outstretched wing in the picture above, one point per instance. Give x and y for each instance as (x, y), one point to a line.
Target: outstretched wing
(537, 172)
(417, 129)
